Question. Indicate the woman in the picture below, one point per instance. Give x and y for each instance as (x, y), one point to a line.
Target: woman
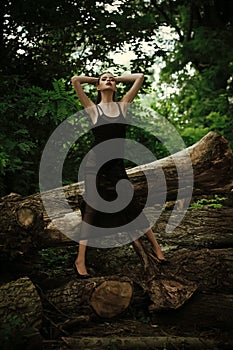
(104, 115)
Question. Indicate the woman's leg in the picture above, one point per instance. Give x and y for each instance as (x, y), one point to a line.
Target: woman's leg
(80, 261)
(88, 218)
(151, 236)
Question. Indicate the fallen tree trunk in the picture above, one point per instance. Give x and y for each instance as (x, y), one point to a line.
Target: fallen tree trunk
(211, 305)
(105, 296)
(203, 311)
(211, 172)
(209, 269)
(110, 296)
(168, 287)
(128, 343)
(200, 228)
(24, 223)
(98, 294)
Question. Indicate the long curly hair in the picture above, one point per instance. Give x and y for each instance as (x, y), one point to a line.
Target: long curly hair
(99, 97)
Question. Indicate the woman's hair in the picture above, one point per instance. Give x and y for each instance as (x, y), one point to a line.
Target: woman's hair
(98, 98)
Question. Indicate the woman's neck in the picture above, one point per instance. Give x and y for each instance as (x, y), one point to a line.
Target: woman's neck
(106, 97)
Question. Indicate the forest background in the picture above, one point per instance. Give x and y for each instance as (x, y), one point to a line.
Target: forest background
(183, 47)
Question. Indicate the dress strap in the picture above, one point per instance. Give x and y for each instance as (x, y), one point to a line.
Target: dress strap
(99, 109)
(119, 106)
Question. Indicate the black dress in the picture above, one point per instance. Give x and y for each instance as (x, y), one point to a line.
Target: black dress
(104, 168)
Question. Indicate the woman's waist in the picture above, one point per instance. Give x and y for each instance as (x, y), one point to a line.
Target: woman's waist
(103, 164)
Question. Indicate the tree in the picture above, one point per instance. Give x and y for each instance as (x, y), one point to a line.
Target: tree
(38, 38)
(200, 66)
(46, 41)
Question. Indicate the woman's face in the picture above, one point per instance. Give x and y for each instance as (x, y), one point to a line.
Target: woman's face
(106, 82)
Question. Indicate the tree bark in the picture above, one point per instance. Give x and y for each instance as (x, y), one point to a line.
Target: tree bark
(110, 296)
(20, 298)
(20, 314)
(113, 296)
(200, 228)
(203, 311)
(211, 269)
(211, 305)
(212, 165)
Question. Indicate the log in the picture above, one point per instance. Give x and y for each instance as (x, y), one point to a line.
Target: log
(200, 267)
(107, 296)
(200, 228)
(212, 167)
(159, 343)
(111, 298)
(203, 311)
(168, 287)
(20, 314)
(211, 305)
(211, 270)
(21, 224)
(24, 223)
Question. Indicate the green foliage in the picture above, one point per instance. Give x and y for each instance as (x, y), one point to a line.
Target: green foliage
(14, 334)
(48, 105)
(200, 69)
(145, 128)
(11, 333)
(46, 40)
(50, 258)
(214, 203)
(28, 117)
(44, 43)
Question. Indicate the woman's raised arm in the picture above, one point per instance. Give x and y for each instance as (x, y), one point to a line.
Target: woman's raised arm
(76, 82)
(136, 79)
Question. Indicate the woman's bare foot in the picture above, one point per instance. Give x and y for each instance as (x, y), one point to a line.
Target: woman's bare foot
(81, 268)
(159, 254)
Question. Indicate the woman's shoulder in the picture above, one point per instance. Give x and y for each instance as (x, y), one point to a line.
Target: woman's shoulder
(124, 106)
(93, 113)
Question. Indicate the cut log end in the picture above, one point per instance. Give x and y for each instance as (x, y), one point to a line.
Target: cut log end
(25, 217)
(111, 298)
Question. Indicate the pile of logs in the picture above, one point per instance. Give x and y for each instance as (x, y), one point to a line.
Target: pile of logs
(194, 289)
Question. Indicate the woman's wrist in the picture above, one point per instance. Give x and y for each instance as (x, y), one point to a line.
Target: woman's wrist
(129, 78)
(84, 79)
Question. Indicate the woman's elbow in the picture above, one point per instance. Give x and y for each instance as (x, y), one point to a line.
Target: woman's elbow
(75, 78)
(141, 76)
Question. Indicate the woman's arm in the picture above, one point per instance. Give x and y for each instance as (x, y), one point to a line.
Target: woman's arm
(136, 79)
(76, 82)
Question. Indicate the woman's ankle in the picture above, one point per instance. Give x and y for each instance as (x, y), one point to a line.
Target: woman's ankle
(81, 267)
(159, 253)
